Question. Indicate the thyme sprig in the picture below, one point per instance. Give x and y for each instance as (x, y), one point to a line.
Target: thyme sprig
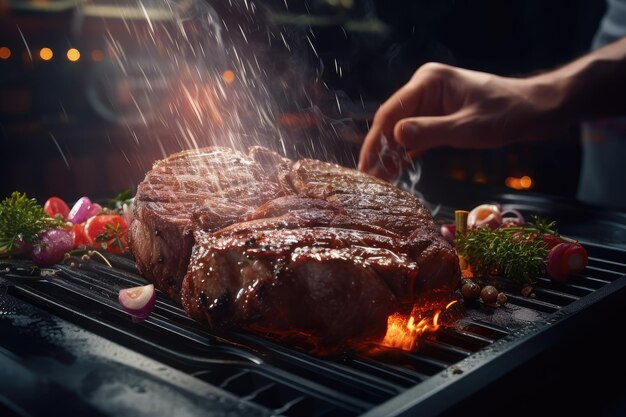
(518, 253)
(113, 235)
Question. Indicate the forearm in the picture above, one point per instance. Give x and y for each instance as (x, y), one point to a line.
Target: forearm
(591, 87)
(448, 106)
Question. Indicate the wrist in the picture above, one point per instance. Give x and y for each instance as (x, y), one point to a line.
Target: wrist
(550, 94)
(590, 87)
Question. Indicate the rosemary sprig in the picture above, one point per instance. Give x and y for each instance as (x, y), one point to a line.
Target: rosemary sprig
(518, 253)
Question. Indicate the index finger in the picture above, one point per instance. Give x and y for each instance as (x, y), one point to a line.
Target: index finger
(409, 100)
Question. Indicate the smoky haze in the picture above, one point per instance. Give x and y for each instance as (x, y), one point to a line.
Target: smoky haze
(188, 74)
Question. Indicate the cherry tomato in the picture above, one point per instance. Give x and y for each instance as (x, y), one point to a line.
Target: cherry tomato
(56, 206)
(108, 232)
(79, 238)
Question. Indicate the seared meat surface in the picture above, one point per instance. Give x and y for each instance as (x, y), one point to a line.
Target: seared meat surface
(226, 184)
(308, 247)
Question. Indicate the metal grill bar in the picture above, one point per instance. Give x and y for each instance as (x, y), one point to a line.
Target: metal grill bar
(292, 383)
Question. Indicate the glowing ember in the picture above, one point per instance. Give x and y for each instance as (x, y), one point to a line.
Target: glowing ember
(404, 331)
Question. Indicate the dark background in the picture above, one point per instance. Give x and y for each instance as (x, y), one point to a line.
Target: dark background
(53, 142)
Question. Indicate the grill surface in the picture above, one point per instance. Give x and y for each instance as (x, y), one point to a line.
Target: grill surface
(233, 373)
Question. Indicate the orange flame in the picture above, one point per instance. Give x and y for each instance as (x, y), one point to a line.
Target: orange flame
(402, 330)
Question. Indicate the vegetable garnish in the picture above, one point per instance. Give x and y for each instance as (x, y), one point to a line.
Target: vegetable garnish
(22, 221)
(56, 207)
(503, 252)
(83, 210)
(138, 301)
(501, 243)
(485, 215)
(515, 252)
(460, 221)
(512, 217)
(47, 234)
(566, 259)
(108, 232)
(448, 231)
(52, 246)
(123, 198)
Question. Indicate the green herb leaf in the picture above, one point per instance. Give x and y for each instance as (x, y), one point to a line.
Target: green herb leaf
(518, 253)
(22, 219)
(113, 235)
(124, 197)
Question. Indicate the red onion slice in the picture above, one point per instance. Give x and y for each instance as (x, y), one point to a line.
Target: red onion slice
(79, 213)
(448, 231)
(138, 301)
(485, 215)
(565, 260)
(93, 210)
(512, 217)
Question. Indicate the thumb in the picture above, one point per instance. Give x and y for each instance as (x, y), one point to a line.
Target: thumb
(423, 133)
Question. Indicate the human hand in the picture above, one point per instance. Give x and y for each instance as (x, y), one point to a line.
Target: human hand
(447, 106)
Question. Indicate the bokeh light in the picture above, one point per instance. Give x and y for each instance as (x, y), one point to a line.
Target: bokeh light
(5, 53)
(73, 54)
(97, 55)
(46, 54)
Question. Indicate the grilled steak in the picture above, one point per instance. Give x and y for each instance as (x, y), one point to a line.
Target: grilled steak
(310, 247)
(222, 182)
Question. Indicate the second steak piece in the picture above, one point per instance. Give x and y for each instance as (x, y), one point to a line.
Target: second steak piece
(332, 260)
(335, 284)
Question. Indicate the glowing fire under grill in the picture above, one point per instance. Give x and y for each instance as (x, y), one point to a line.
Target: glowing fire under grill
(405, 331)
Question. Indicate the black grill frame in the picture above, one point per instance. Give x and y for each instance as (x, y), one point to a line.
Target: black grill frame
(448, 368)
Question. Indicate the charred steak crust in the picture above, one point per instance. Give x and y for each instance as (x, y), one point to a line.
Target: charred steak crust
(309, 247)
(224, 183)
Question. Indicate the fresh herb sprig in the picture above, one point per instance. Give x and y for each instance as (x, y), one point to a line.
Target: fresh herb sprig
(22, 220)
(113, 235)
(117, 202)
(518, 253)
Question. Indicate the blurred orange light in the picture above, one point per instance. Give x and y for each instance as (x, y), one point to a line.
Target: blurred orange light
(73, 54)
(229, 77)
(523, 183)
(97, 55)
(46, 54)
(526, 182)
(5, 53)
(513, 182)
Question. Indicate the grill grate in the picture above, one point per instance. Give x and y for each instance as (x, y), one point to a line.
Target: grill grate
(292, 383)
